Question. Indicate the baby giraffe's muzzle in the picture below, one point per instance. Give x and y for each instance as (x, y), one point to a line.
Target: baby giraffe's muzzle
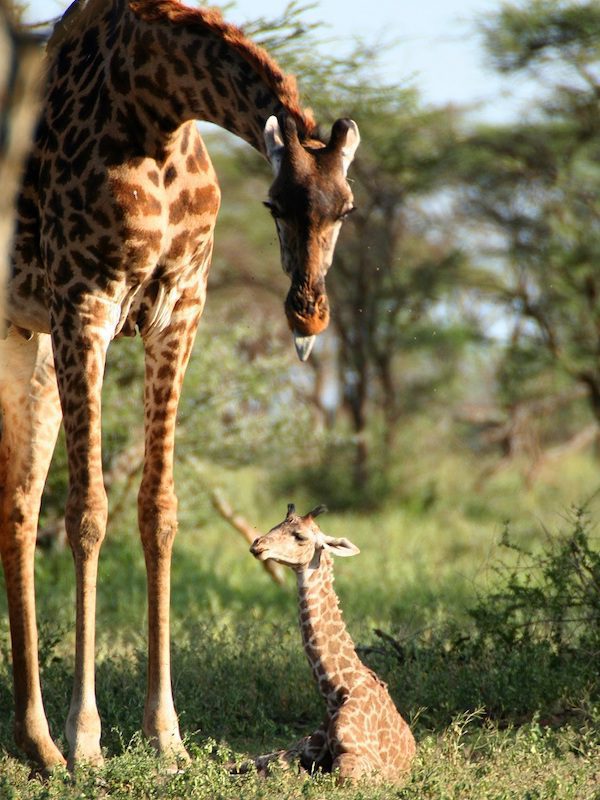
(257, 548)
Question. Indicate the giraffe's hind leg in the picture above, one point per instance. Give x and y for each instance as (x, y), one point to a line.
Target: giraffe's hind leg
(30, 421)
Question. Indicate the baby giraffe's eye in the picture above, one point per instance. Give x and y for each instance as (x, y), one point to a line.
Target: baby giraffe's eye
(299, 536)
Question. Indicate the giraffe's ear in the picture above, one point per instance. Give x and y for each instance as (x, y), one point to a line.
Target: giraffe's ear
(344, 140)
(339, 547)
(320, 509)
(274, 143)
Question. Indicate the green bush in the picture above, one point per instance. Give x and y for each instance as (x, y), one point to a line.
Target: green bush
(552, 597)
(529, 648)
(330, 474)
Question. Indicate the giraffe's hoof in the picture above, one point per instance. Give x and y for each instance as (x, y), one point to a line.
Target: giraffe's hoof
(175, 764)
(93, 759)
(171, 751)
(41, 751)
(44, 773)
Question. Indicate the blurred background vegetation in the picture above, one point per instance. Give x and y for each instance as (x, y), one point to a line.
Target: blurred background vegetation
(465, 289)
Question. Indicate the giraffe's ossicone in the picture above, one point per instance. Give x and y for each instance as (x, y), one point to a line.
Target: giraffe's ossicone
(363, 733)
(114, 236)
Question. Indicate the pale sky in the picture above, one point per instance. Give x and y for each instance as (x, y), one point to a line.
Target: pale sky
(436, 45)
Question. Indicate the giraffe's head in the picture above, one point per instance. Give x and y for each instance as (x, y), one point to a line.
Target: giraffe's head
(309, 199)
(298, 541)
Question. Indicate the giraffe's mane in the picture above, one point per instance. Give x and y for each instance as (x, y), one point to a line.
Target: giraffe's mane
(73, 21)
(81, 12)
(257, 57)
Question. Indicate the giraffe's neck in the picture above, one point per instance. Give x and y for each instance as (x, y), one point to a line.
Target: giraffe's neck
(165, 64)
(327, 643)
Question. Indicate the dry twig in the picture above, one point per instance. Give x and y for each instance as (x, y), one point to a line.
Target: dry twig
(248, 532)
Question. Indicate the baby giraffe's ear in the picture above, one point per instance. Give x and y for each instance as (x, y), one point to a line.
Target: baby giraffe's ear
(339, 547)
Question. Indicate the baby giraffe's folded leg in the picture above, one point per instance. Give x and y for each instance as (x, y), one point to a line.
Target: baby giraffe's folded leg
(352, 766)
(310, 753)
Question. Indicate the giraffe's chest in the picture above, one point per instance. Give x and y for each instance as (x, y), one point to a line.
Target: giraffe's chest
(139, 233)
(173, 221)
(164, 219)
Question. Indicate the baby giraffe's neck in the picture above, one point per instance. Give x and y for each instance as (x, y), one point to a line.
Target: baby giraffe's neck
(327, 643)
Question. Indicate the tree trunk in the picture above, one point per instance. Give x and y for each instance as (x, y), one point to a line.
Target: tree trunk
(592, 383)
(356, 401)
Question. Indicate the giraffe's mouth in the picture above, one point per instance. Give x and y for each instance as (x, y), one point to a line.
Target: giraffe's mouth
(307, 312)
(258, 550)
(262, 552)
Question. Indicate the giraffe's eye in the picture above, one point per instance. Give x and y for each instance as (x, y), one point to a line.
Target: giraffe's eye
(275, 212)
(299, 536)
(345, 214)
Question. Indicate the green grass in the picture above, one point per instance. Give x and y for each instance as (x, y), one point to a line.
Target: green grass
(506, 722)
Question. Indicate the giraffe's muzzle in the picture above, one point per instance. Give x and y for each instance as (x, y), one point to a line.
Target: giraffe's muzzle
(307, 313)
(257, 548)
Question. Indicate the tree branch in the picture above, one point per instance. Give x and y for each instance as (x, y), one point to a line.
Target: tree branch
(249, 533)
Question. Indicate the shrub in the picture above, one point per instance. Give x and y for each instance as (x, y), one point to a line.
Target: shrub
(528, 649)
(553, 597)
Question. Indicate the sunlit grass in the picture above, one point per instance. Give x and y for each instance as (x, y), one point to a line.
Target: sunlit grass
(241, 682)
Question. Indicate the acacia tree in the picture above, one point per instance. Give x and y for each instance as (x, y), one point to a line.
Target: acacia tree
(535, 186)
(397, 269)
(393, 339)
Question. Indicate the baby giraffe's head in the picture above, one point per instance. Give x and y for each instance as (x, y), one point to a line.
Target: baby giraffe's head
(298, 541)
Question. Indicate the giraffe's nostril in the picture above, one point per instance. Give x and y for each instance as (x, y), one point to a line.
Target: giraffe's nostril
(255, 547)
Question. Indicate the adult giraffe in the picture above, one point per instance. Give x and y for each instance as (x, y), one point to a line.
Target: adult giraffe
(115, 234)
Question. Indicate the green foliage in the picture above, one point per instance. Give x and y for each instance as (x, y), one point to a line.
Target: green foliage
(239, 405)
(531, 648)
(542, 31)
(525, 372)
(330, 474)
(553, 597)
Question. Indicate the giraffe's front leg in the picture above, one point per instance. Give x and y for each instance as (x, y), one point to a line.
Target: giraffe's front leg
(80, 337)
(167, 354)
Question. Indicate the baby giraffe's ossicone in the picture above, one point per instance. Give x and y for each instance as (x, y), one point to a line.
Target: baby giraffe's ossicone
(363, 734)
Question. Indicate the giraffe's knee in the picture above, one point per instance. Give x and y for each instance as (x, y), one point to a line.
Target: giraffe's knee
(19, 509)
(157, 517)
(18, 526)
(351, 767)
(85, 523)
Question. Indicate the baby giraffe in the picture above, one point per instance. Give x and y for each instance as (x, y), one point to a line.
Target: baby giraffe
(363, 733)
